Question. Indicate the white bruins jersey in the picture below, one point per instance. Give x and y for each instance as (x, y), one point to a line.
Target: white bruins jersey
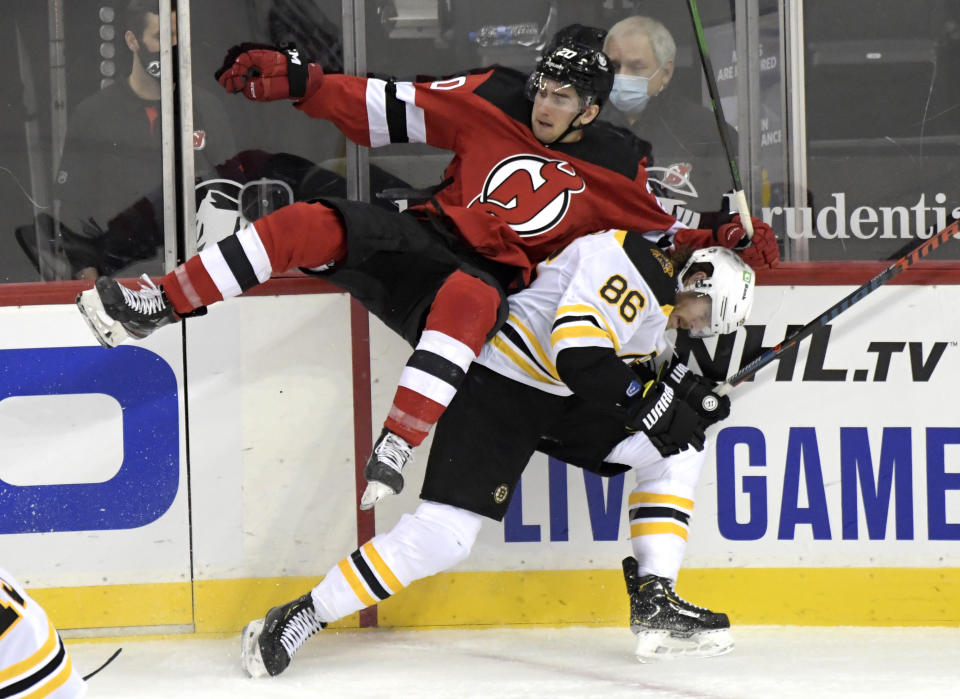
(611, 289)
(33, 660)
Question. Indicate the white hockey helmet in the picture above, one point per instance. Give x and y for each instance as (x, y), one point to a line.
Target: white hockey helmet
(729, 286)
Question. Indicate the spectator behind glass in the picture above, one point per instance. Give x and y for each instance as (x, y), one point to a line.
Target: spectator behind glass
(688, 158)
(111, 173)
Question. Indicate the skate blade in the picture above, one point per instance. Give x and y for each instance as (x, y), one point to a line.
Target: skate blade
(374, 493)
(108, 332)
(250, 657)
(654, 646)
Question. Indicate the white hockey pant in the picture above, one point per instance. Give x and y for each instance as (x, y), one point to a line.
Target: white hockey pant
(432, 539)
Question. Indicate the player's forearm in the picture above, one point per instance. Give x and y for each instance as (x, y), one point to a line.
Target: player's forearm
(341, 99)
(595, 373)
(374, 112)
(694, 238)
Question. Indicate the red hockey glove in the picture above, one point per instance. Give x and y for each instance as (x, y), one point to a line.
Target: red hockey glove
(734, 235)
(264, 73)
(763, 250)
(723, 230)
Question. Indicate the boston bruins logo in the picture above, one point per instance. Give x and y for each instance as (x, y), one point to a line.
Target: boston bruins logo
(530, 193)
(501, 493)
(664, 261)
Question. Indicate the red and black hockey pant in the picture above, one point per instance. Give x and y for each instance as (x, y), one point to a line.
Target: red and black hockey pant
(441, 297)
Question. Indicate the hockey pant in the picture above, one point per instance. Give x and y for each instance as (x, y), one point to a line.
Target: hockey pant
(661, 502)
(462, 314)
(432, 539)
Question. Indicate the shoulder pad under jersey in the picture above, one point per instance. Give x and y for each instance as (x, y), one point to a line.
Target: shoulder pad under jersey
(504, 90)
(654, 265)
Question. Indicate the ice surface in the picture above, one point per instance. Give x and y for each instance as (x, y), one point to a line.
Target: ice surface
(768, 662)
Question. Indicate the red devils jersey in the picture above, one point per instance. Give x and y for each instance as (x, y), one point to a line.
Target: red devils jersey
(512, 198)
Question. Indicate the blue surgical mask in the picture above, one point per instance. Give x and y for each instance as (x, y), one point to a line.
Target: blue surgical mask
(629, 92)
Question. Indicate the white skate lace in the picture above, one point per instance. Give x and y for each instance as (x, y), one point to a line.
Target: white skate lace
(689, 605)
(148, 300)
(393, 451)
(298, 629)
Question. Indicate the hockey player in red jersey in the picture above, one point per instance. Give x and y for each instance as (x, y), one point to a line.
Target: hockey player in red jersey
(533, 170)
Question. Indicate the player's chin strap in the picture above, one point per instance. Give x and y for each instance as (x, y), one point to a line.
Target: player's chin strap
(108, 661)
(570, 128)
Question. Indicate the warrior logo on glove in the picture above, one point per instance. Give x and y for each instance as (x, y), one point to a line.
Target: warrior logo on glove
(698, 392)
(710, 403)
(265, 73)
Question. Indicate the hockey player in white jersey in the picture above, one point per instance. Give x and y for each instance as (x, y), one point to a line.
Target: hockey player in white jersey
(605, 302)
(33, 659)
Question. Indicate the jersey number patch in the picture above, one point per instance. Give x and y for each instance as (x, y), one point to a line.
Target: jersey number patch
(616, 292)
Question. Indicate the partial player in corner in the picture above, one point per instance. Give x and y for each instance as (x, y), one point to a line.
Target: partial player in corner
(437, 274)
(558, 376)
(33, 659)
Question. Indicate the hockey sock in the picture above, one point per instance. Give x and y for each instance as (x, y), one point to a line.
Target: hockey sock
(299, 235)
(433, 538)
(461, 316)
(661, 504)
(659, 525)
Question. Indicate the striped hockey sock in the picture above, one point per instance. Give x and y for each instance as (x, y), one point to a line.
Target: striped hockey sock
(659, 526)
(299, 235)
(461, 316)
(427, 384)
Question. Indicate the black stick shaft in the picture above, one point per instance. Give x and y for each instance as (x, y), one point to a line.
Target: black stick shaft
(921, 250)
(712, 89)
(739, 197)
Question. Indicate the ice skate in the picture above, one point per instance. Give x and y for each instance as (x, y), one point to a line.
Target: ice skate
(666, 625)
(270, 643)
(116, 313)
(384, 468)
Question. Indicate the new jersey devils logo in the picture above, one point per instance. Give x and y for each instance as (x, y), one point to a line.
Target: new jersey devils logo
(530, 193)
(677, 177)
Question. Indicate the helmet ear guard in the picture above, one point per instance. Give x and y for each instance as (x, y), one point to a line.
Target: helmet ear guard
(730, 287)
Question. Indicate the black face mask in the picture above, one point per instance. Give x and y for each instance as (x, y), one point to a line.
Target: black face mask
(150, 61)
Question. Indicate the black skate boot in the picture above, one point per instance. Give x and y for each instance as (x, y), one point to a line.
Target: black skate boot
(115, 313)
(666, 625)
(384, 468)
(269, 644)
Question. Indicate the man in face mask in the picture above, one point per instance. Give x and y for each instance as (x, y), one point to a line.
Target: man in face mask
(111, 173)
(644, 58)
(142, 37)
(689, 162)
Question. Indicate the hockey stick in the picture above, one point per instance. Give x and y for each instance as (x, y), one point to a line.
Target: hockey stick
(741, 199)
(922, 250)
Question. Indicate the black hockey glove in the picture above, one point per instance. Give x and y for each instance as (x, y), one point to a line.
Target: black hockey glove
(697, 392)
(671, 424)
